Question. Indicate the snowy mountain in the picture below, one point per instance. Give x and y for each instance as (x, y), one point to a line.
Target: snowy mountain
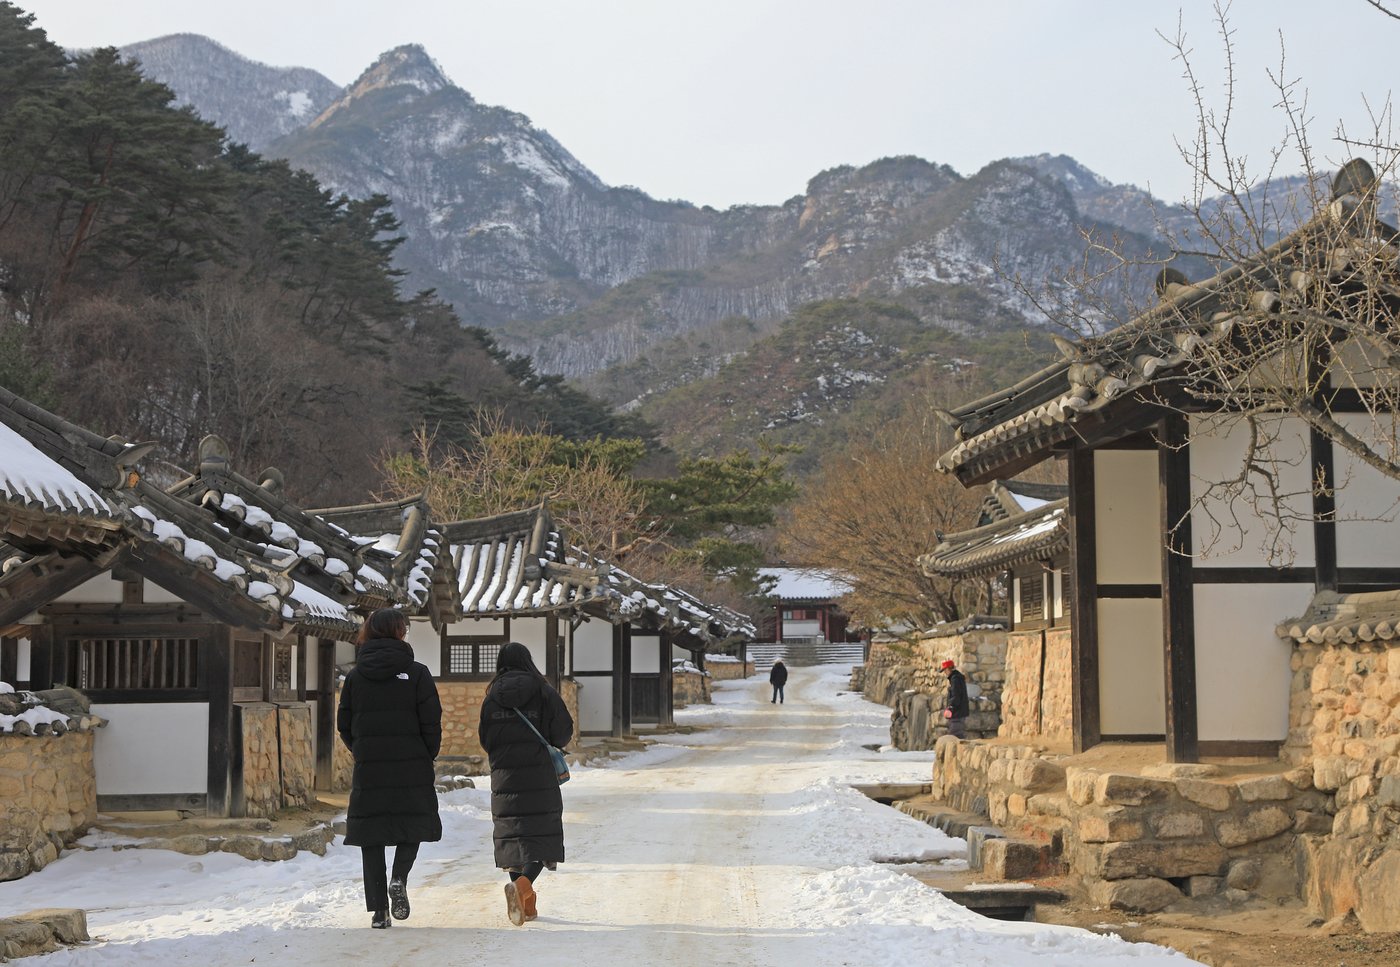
(521, 237)
(255, 103)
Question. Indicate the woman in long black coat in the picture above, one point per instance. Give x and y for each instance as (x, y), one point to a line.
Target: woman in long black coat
(391, 720)
(526, 805)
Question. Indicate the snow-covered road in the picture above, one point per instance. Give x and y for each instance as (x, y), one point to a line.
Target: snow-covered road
(739, 844)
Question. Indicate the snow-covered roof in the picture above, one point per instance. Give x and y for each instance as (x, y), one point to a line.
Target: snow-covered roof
(803, 584)
(27, 476)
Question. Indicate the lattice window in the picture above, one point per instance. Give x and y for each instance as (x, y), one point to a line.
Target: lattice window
(460, 659)
(282, 668)
(131, 663)
(1032, 596)
(470, 654)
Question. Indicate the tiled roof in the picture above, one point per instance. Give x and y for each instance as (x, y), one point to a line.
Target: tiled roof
(1334, 618)
(1167, 344)
(1030, 535)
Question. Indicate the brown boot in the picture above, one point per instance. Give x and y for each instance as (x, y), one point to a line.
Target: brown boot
(526, 891)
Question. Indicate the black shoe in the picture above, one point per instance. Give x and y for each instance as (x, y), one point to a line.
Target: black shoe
(398, 899)
(381, 920)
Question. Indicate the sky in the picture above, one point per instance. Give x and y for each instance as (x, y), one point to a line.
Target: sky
(725, 102)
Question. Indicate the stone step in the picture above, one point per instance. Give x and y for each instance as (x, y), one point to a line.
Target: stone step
(889, 793)
(1010, 901)
(41, 931)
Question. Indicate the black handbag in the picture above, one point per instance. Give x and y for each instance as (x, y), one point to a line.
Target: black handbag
(556, 755)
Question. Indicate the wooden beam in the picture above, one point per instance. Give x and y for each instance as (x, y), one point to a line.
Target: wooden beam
(1178, 595)
(30, 588)
(1084, 631)
(216, 666)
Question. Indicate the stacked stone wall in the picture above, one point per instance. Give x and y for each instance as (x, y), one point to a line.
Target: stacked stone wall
(906, 677)
(297, 748)
(1036, 696)
(342, 761)
(726, 671)
(48, 798)
(689, 687)
(461, 718)
(1344, 724)
(262, 779)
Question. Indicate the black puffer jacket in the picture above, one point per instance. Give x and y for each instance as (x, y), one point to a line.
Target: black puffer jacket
(525, 801)
(391, 720)
(777, 675)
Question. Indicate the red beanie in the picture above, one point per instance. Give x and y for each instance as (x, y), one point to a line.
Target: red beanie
(947, 664)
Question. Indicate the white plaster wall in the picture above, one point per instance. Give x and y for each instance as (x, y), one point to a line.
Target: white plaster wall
(1227, 527)
(1368, 515)
(683, 653)
(1132, 692)
(100, 590)
(1127, 521)
(1242, 668)
(646, 654)
(801, 629)
(1357, 365)
(313, 662)
(478, 626)
(427, 645)
(595, 704)
(1059, 590)
(1016, 601)
(153, 593)
(22, 665)
(531, 632)
(345, 652)
(593, 648)
(156, 748)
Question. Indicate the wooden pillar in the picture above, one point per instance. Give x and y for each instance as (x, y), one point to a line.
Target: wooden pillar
(326, 737)
(302, 645)
(1324, 509)
(216, 663)
(668, 682)
(1084, 632)
(622, 679)
(9, 661)
(1178, 595)
(551, 650)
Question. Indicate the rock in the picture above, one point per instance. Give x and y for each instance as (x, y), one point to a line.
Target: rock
(25, 938)
(1265, 788)
(1389, 792)
(1037, 775)
(1199, 886)
(1111, 825)
(67, 924)
(1119, 861)
(275, 850)
(14, 864)
(1243, 875)
(1378, 908)
(1306, 821)
(1252, 825)
(1117, 788)
(191, 845)
(1079, 783)
(1211, 795)
(248, 847)
(1178, 825)
(1015, 859)
(1138, 895)
(63, 699)
(977, 838)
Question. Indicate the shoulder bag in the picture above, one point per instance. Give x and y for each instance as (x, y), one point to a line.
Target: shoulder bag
(561, 765)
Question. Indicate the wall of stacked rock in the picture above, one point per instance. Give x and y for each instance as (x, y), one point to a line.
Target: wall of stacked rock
(1036, 698)
(48, 785)
(905, 675)
(689, 686)
(723, 668)
(279, 756)
(1344, 726)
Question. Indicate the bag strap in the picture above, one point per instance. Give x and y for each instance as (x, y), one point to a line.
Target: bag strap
(542, 739)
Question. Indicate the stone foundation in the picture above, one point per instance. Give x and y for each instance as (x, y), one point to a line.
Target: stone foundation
(48, 798)
(905, 676)
(726, 671)
(278, 755)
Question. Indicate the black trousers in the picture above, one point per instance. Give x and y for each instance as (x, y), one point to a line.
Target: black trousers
(531, 870)
(376, 883)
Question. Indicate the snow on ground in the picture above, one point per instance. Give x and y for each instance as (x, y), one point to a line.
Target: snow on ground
(739, 844)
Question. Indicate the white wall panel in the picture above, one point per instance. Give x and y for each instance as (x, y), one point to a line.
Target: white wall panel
(1242, 668)
(1127, 522)
(531, 632)
(595, 704)
(1227, 527)
(646, 654)
(427, 645)
(1132, 691)
(22, 664)
(593, 647)
(100, 590)
(153, 593)
(1368, 502)
(157, 748)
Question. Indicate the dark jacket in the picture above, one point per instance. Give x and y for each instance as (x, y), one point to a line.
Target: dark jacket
(957, 694)
(526, 804)
(778, 675)
(391, 720)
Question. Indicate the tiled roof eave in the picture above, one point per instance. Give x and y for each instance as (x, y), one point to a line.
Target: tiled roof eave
(991, 560)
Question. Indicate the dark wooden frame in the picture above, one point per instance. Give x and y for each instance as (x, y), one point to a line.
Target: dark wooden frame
(1084, 629)
(1178, 597)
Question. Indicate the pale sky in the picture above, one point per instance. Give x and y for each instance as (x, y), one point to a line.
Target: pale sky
(725, 102)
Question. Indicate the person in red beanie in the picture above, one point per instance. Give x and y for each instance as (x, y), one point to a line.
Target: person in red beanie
(955, 713)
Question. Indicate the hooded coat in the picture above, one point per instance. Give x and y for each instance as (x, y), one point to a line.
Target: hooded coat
(391, 720)
(526, 805)
(777, 675)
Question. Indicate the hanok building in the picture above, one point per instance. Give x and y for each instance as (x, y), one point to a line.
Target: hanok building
(1172, 569)
(1020, 546)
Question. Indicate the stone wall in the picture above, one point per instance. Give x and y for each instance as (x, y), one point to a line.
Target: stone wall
(1344, 725)
(48, 797)
(690, 687)
(1036, 699)
(461, 717)
(279, 763)
(725, 671)
(1141, 842)
(905, 676)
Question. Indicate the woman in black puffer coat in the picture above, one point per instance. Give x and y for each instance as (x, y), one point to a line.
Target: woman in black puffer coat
(391, 720)
(526, 805)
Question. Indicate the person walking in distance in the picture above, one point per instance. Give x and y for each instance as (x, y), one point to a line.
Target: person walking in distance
(956, 711)
(777, 677)
(391, 721)
(527, 809)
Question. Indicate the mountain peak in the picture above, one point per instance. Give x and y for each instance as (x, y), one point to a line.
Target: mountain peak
(405, 66)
